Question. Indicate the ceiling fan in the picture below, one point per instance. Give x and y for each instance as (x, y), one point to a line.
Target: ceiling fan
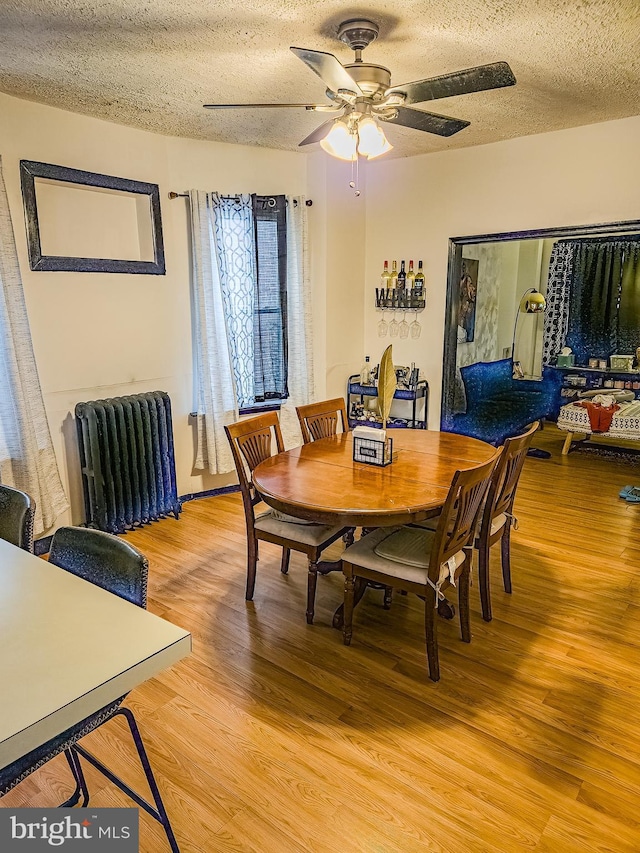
(362, 92)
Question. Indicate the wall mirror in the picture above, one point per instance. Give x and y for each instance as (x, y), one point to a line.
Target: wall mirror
(490, 284)
(86, 222)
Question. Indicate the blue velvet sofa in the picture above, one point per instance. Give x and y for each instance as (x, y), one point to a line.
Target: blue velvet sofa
(499, 406)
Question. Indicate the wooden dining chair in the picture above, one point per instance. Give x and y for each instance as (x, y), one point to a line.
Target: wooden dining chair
(118, 567)
(251, 443)
(320, 420)
(497, 516)
(424, 561)
(17, 510)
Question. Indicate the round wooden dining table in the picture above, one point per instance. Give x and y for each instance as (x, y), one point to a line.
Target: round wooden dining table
(321, 482)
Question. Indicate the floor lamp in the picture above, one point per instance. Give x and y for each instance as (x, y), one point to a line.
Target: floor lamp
(531, 302)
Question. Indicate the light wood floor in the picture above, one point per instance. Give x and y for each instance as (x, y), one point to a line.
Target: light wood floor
(273, 737)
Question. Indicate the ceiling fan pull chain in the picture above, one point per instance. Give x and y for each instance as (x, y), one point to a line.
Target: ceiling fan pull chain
(354, 183)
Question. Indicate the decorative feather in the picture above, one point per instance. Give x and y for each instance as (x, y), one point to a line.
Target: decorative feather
(386, 385)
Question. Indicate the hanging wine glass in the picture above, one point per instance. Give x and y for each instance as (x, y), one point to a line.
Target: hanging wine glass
(394, 327)
(415, 328)
(404, 326)
(383, 327)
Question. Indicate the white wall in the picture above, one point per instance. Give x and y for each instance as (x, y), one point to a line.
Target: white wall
(99, 335)
(572, 177)
(102, 335)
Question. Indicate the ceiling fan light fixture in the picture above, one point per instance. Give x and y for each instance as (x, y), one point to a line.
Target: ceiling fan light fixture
(371, 139)
(340, 142)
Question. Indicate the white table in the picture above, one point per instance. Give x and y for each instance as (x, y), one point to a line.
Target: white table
(67, 649)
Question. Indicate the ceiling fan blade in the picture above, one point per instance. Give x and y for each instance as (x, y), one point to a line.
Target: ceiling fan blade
(329, 69)
(317, 134)
(321, 107)
(493, 76)
(429, 122)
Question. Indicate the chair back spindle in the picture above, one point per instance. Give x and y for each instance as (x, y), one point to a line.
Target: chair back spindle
(321, 420)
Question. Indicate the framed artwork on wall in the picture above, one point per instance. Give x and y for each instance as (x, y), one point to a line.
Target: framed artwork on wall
(80, 221)
(467, 294)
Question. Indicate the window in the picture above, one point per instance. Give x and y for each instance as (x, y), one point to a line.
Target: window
(251, 237)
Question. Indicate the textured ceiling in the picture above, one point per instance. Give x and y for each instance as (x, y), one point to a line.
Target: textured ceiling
(153, 63)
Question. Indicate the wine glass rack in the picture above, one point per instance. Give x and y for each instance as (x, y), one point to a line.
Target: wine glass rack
(399, 300)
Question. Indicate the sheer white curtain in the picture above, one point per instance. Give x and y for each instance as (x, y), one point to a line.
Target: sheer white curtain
(235, 247)
(224, 271)
(27, 459)
(216, 400)
(300, 378)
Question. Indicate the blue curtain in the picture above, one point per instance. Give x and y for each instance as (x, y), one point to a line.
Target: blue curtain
(593, 306)
(593, 298)
(629, 311)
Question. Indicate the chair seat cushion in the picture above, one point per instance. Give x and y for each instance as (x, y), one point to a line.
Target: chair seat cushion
(498, 522)
(400, 552)
(290, 519)
(306, 534)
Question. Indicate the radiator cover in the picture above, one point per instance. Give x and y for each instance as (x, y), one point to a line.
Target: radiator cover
(127, 461)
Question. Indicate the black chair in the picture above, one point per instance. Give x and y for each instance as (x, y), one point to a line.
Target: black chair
(16, 517)
(118, 567)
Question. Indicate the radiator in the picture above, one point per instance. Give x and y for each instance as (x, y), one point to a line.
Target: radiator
(127, 461)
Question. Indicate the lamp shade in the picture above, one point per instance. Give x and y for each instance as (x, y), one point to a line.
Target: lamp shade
(371, 139)
(533, 302)
(340, 142)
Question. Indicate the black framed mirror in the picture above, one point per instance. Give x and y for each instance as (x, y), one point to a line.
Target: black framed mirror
(464, 321)
(80, 221)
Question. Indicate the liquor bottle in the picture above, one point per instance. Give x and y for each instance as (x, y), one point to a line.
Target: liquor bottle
(385, 278)
(411, 277)
(394, 275)
(365, 373)
(419, 285)
(402, 277)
